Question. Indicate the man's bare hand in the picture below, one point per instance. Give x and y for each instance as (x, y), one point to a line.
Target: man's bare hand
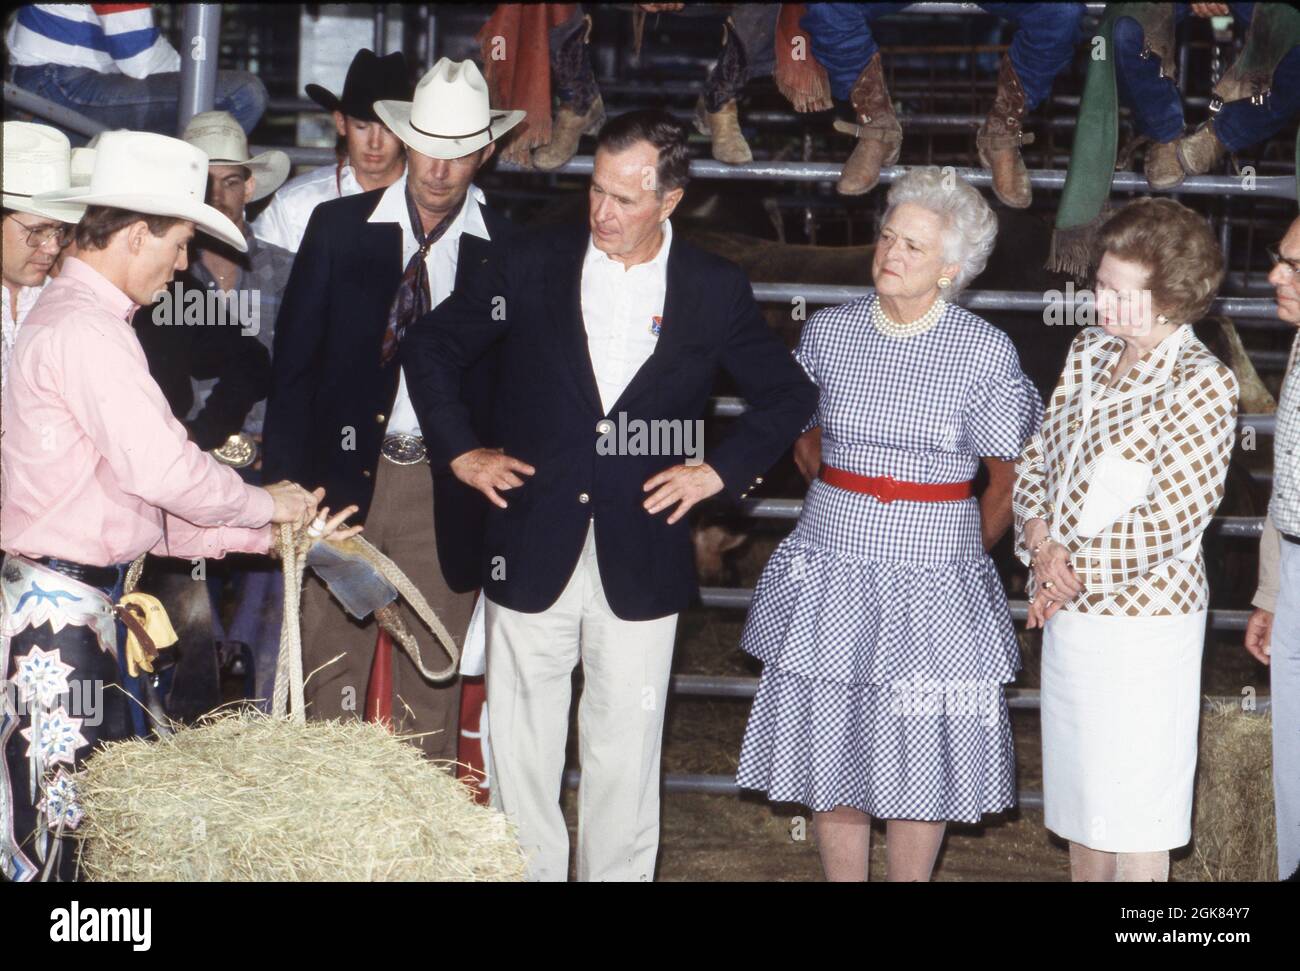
(293, 503)
(1210, 10)
(490, 469)
(682, 484)
(661, 7)
(1259, 634)
(808, 453)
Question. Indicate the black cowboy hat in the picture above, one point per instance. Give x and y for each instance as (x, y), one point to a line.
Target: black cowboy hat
(370, 78)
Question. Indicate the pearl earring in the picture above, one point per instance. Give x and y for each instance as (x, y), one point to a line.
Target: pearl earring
(1161, 319)
(944, 281)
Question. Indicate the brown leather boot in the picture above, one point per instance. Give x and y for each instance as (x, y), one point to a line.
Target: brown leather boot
(1201, 151)
(566, 130)
(1163, 169)
(999, 139)
(723, 127)
(879, 135)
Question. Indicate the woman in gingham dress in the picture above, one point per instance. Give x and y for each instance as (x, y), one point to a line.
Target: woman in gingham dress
(1111, 499)
(881, 622)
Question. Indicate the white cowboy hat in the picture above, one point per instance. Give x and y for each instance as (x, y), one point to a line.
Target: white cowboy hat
(81, 166)
(450, 116)
(154, 174)
(35, 161)
(224, 141)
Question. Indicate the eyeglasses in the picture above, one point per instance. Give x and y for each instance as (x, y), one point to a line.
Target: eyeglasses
(38, 236)
(1293, 266)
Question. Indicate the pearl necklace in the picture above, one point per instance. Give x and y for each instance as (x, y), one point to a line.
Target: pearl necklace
(892, 328)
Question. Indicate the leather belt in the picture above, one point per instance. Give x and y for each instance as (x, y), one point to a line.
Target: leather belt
(95, 576)
(1289, 538)
(404, 449)
(886, 488)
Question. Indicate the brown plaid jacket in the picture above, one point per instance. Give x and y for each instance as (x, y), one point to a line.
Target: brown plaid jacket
(1179, 419)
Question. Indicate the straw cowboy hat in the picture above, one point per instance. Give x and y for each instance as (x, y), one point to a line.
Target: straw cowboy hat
(224, 141)
(36, 160)
(153, 174)
(450, 116)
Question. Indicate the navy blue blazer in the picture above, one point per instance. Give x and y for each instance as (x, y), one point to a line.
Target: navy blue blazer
(527, 307)
(330, 399)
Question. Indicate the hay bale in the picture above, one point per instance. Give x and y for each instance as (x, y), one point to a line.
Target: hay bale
(244, 796)
(1233, 836)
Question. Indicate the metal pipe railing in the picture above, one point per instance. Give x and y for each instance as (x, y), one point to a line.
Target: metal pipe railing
(1027, 301)
(73, 121)
(1277, 186)
(201, 43)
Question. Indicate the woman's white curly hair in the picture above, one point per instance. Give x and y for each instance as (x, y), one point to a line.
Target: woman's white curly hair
(970, 227)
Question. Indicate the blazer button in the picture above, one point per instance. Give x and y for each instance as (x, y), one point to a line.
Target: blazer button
(758, 480)
(583, 497)
(366, 473)
(604, 427)
(381, 418)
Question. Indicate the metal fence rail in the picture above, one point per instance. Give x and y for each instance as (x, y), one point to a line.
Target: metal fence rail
(1276, 186)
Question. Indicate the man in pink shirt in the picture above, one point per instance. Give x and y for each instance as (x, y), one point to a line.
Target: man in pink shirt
(95, 471)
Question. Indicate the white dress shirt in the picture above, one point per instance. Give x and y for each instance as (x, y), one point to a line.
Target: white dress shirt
(440, 262)
(621, 309)
(284, 221)
(9, 333)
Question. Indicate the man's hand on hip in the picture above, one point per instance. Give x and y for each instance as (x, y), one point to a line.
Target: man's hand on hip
(490, 469)
(682, 484)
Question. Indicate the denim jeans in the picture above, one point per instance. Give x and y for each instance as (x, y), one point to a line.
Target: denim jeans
(1158, 108)
(140, 104)
(1046, 37)
(1284, 674)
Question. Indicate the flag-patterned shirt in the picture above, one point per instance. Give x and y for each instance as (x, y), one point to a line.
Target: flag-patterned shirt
(1175, 411)
(111, 38)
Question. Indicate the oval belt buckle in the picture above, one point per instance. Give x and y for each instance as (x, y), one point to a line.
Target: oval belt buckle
(404, 449)
(887, 490)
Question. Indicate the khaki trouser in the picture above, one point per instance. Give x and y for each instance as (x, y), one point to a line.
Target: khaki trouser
(625, 665)
(400, 525)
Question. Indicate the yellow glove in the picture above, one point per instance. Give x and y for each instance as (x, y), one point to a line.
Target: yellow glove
(149, 611)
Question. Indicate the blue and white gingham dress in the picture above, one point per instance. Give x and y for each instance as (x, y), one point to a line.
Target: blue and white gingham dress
(883, 627)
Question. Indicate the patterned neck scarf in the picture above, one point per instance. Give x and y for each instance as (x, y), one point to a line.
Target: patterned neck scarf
(412, 300)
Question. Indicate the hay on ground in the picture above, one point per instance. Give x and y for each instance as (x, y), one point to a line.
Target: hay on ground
(1233, 834)
(243, 796)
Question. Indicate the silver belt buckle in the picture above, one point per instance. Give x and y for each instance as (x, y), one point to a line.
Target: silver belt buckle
(404, 449)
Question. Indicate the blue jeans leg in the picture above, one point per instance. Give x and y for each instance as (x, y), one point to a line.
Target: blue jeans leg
(1155, 102)
(141, 104)
(841, 40)
(1240, 124)
(1044, 43)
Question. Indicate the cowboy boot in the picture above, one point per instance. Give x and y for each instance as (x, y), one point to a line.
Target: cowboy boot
(999, 139)
(723, 128)
(1162, 167)
(1201, 151)
(568, 127)
(581, 110)
(880, 136)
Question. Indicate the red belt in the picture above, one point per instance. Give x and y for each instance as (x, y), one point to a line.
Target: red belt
(886, 488)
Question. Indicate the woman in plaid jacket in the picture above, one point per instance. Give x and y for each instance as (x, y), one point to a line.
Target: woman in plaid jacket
(1112, 497)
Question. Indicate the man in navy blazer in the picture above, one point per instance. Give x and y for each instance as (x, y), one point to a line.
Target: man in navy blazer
(339, 414)
(609, 338)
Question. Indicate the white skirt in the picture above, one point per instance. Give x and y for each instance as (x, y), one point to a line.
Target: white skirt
(1121, 704)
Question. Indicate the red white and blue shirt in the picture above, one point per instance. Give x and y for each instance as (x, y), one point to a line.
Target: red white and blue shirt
(111, 38)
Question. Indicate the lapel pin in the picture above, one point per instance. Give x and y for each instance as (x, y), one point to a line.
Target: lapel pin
(656, 325)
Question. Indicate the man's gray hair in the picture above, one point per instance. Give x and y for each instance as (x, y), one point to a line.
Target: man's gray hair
(969, 226)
